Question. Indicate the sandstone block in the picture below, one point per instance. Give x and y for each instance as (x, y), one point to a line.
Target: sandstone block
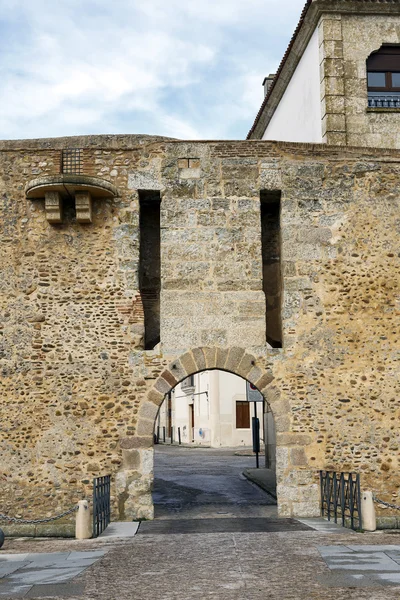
(332, 86)
(222, 355)
(155, 396)
(147, 457)
(135, 441)
(130, 459)
(169, 378)
(148, 410)
(53, 207)
(188, 363)
(306, 510)
(83, 206)
(330, 29)
(298, 457)
(333, 123)
(254, 375)
(293, 439)
(146, 428)
(210, 357)
(163, 386)
(200, 359)
(178, 370)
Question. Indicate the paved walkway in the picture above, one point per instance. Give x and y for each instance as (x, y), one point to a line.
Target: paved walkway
(264, 478)
(290, 565)
(203, 483)
(36, 574)
(217, 537)
(362, 566)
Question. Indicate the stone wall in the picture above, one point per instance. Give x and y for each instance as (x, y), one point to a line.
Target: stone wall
(79, 394)
(346, 42)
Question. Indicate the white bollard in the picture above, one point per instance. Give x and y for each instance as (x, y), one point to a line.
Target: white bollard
(368, 512)
(83, 526)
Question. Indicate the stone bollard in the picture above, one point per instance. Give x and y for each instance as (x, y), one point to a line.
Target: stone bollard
(83, 526)
(368, 512)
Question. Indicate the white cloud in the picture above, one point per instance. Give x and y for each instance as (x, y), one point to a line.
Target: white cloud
(183, 69)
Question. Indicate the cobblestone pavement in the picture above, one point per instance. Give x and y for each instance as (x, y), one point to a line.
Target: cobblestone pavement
(224, 566)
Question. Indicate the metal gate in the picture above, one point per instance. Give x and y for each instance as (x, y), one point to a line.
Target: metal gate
(341, 498)
(101, 504)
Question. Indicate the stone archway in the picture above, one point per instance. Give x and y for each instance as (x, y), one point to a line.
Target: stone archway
(235, 360)
(134, 480)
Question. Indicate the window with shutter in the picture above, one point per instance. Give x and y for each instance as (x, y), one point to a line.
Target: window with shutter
(242, 415)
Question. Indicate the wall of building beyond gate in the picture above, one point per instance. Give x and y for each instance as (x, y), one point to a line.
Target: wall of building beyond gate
(213, 396)
(346, 42)
(79, 395)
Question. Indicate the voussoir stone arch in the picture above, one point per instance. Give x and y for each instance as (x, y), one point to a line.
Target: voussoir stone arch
(235, 360)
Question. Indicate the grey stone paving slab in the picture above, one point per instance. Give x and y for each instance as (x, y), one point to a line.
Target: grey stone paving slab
(40, 576)
(50, 558)
(324, 526)
(391, 578)
(120, 529)
(10, 590)
(378, 548)
(394, 555)
(43, 573)
(363, 561)
(13, 557)
(7, 568)
(86, 554)
(332, 550)
(348, 580)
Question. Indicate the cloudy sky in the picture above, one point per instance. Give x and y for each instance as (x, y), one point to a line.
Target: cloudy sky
(189, 69)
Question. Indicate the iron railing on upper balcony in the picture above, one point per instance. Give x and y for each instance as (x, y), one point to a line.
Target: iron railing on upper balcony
(383, 100)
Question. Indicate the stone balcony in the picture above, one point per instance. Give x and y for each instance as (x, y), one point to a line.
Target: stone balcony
(54, 188)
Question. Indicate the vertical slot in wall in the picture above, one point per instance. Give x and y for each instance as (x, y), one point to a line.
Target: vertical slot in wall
(271, 259)
(150, 265)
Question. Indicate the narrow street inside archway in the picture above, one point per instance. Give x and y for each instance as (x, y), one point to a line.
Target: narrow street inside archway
(199, 483)
(203, 490)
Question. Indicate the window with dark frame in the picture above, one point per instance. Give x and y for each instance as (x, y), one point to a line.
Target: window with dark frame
(242, 415)
(383, 75)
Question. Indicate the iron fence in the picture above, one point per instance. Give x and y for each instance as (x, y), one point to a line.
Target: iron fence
(341, 498)
(101, 504)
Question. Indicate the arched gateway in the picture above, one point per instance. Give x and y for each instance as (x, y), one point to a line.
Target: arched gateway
(170, 257)
(134, 480)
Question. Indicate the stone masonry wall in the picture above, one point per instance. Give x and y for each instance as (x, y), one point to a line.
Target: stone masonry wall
(79, 395)
(346, 42)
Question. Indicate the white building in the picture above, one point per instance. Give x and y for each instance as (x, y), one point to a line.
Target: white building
(209, 409)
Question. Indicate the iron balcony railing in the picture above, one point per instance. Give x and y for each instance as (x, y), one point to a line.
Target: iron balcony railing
(341, 498)
(383, 101)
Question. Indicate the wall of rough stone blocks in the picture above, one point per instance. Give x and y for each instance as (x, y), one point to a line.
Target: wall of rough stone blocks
(346, 42)
(79, 395)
